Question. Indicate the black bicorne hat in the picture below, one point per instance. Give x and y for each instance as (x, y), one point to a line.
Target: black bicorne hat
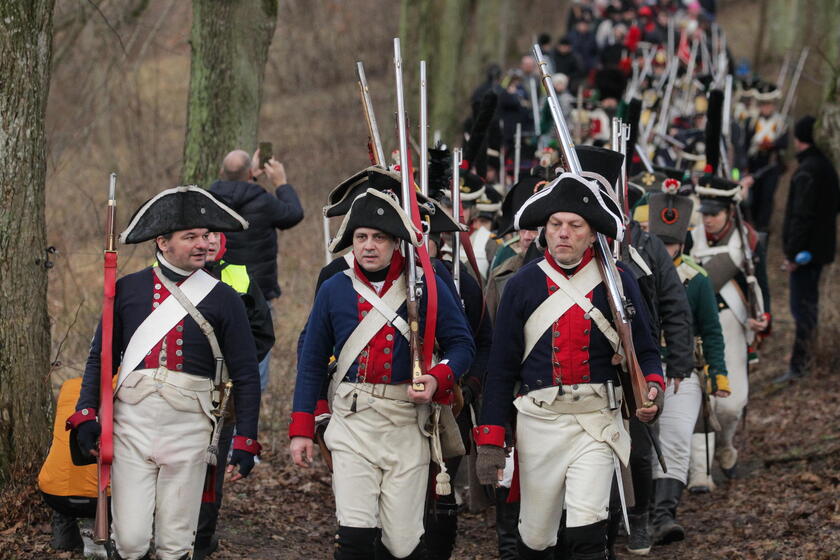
(377, 210)
(180, 208)
(765, 92)
(600, 163)
(669, 216)
(516, 197)
(717, 194)
(373, 177)
(377, 178)
(578, 195)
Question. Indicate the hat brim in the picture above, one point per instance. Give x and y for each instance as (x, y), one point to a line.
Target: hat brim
(575, 194)
(181, 208)
(376, 210)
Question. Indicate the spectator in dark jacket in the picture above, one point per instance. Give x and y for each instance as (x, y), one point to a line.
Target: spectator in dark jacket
(567, 62)
(256, 247)
(809, 239)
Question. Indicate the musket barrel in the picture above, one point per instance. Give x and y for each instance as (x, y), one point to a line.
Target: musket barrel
(371, 117)
(111, 216)
(424, 132)
(457, 157)
(517, 152)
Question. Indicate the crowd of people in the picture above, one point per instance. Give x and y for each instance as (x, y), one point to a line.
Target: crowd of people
(565, 334)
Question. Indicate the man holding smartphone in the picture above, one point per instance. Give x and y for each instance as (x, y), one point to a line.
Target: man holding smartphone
(265, 212)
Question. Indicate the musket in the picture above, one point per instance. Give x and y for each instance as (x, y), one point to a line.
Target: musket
(424, 132)
(517, 152)
(662, 125)
(414, 284)
(457, 158)
(791, 92)
(370, 118)
(502, 172)
(615, 145)
(715, 113)
(783, 71)
(637, 397)
(579, 116)
(535, 105)
(106, 379)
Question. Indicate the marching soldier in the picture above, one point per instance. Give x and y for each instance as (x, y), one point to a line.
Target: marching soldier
(670, 216)
(237, 277)
(718, 247)
(767, 139)
(378, 432)
(163, 414)
(569, 440)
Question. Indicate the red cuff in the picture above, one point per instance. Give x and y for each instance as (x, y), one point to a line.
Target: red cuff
(247, 444)
(302, 424)
(446, 381)
(769, 329)
(80, 417)
(489, 435)
(656, 378)
(321, 407)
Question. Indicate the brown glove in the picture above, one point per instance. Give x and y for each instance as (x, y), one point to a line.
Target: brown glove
(490, 459)
(659, 401)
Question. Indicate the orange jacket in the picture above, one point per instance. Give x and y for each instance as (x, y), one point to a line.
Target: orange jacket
(59, 476)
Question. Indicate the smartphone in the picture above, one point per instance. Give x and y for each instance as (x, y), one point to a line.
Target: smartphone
(265, 153)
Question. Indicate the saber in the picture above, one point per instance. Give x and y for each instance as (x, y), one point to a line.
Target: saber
(370, 117)
(106, 390)
(620, 484)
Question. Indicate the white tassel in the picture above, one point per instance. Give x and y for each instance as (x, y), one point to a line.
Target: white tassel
(210, 455)
(442, 486)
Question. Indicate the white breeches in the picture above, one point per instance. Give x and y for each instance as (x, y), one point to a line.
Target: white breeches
(380, 466)
(158, 470)
(676, 424)
(560, 465)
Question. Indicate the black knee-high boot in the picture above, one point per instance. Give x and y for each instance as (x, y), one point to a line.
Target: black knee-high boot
(441, 528)
(588, 542)
(526, 553)
(507, 519)
(355, 543)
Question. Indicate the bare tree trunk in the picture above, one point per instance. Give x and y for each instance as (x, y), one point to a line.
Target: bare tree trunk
(230, 43)
(25, 402)
(434, 30)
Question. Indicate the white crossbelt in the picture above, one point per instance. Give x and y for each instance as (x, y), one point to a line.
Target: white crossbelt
(162, 320)
(383, 313)
(570, 292)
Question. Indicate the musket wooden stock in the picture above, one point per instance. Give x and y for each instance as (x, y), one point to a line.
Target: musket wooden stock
(638, 396)
(106, 391)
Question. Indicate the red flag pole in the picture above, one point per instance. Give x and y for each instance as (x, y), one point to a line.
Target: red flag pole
(106, 387)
